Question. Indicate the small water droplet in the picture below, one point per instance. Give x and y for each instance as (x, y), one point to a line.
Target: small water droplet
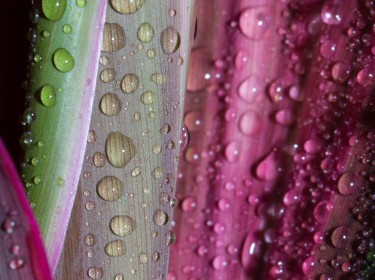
(63, 60)
(119, 149)
(284, 117)
(189, 204)
(126, 6)
(91, 136)
(95, 272)
(220, 263)
(110, 104)
(143, 258)
(28, 141)
(122, 225)
(115, 248)
(67, 28)
(48, 95)
(151, 53)
(156, 149)
(160, 218)
(340, 71)
(158, 78)
(108, 75)
(267, 169)
(113, 37)
(90, 239)
(254, 22)
(170, 40)
(110, 188)
(81, 3)
(365, 77)
(99, 159)
(147, 97)
(119, 276)
(170, 238)
(347, 184)
(157, 173)
(193, 121)
(145, 32)
(129, 83)
(16, 263)
(136, 171)
(331, 12)
(249, 89)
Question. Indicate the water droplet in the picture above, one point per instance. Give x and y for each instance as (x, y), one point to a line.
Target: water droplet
(108, 75)
(331, 12)
(220, 263)
(91, 136)
(110, 188)
(99, 159)
(115, 248)
(127, 6)
(158, 78)
(143, 258)
(184, 138)
(16, 263)
(104, 60)
(254, 22)
(160, 218)
(156, 256)
(267, 168)
(95, 272)
(119, 276)
(63, 60)
(81, 3)
(170, 40)
(53, 9)
(328, 49)
(37, 58)
(339, 237)
(189, 204)
(60, 182)
(165, 129)
(232, 152)
(145, 32)
(347, 184)
(90, 239)
(28, 116)
(170, 238)
(110, 104)
(122, 225)
(250, 123)
(147, 97)
(156, 149)
(340, 71)
(28, 141)
(249, 89)
(193, 121)
(157, 173)
(312, 146)
(67, 28)
(136, 171)
(284, 117)
(151, 53)
(48, 95)
(365, 77)
(129, 83)
(113, 37)
(119, 149)
(308, 266)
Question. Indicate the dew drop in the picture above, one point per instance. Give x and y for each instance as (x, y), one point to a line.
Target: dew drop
(63, 60)
(232, 152)
(81, 3)
(220, 263)
(90, 239)
(126, 6)
(365, 77)
(67, 28)
(284, 117)
(28, 140)
(160, 218)
(339, 237)
(193, 121)
(108, 75)
(110, 188)
(104, 60)
(147, 97)
(115, 248)
(143, 258)
(95, 272)
(28, 116)
(156, 256)
(328, 49)
(91, 136)
(331, 13)
(48, 95)
(145, 32)
(110, 104)
(157, 173)
(136, 171)
(99, 159)
(156, 149)
(158, 78)
(267, 169)
(254, 22)
(340, 71)
(113, 37)
(249, 89)
(184, 138)
(53, 9)
(122, 225)
(129, 83)
(170, 238)
(170, 40)
(151, 53)
(347, 184)
(189, 204)
(250, 123)
(16, 263)
(119, 149)
(119, 276)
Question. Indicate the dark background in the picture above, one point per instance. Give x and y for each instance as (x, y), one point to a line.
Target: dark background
(15, 23)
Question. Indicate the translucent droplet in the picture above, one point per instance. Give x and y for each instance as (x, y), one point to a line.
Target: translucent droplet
(63, 60)
(365, 77)
(156, 256)
(340, 71)
(81, 3)
(28, 140)
(16, 263)
(108, 75)
(60, 182)
(48, 95)
(119, 276)
(143, 258)
(91, 137)
(158, 78)
(129, 83)
(122, 225)
(53, 9)
(249, 89)
(160, 218)
(115, 248)
(119, 149)
(113, 37)
(170, 238)
(170, 40)
(147, 97)
(99, 159)
(254, 22)
(95, 272)
(145, 32)
(189, 204)
(232, 152)
(37, 58)
(110, 188)
(151, 53)
(165, 129)
(156, 149)
(126, 6)
(90, 239)
(110, 104)
(339, 237)
(267, 169)
(331, 12)
(104, 60)
(136, 171)
(67, 28)
(220, 263)
(250, 123)
(328, 49)
(284, 117)
(193, 121)
(157, 173)
(28, 116)
(347, 183)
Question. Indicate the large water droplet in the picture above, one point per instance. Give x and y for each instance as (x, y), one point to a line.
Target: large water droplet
(250, 123)
(122, 225)
(110, 104)
(160, 218)
(170, 238)
(119, 149)
(145, 32)
(115, 248)
(267, 168)
(113, 37)
(129, 83)
(63, 60)
(170, 40)
(53, 9)
(108, 75)
(110, 188)
(127, 6)
(48, 95)
(347, 184)
(254, 22)
(331, 12)
(339, 237)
